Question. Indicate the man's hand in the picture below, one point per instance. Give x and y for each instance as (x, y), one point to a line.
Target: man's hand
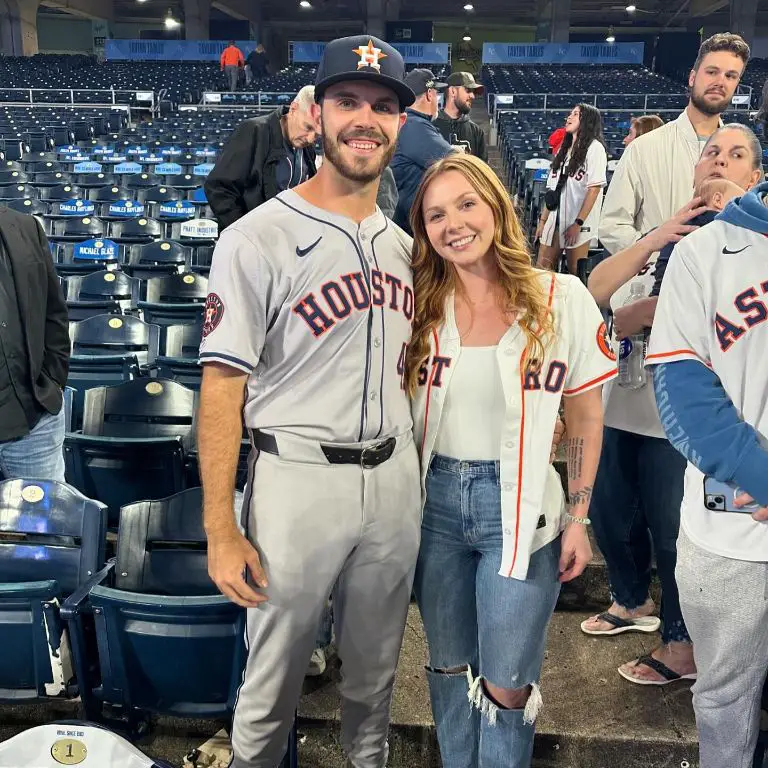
(572, 234)
(575, 552)
(675, 229)
(744, 500)
(628, 320)
(557, 438)
(229, 554)
(539, 229)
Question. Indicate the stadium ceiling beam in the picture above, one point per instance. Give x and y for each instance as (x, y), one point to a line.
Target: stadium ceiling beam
(702, 8)
(245, 10)
(91, 9)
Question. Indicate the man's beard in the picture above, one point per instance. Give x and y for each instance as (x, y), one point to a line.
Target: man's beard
(463, 107)
(708, 107)
(362, 169)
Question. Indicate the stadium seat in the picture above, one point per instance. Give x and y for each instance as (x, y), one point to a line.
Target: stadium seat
(134, 442)
(88, 256)
(136, 231)
(53, 541)
(76, 228)
(10, 177)
(66, 191)
(190, 663)
(105, 292)
(174, 299)
(163, 257)
(158, 194)
(180, 354)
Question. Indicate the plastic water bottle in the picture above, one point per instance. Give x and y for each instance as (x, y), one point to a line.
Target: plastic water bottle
(632, 349)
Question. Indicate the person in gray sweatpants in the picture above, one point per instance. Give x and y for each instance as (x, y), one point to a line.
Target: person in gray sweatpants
(710, 377)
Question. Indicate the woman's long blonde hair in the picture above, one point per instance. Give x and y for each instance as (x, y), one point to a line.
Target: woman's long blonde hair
(435, 279)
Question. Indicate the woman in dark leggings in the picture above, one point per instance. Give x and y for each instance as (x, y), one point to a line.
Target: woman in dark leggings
(639, 484)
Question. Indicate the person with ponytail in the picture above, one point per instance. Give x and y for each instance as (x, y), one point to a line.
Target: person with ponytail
(574, 196)
(497, 347)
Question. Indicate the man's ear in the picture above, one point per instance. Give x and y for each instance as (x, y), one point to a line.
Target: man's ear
(314, 111)
(691, 78)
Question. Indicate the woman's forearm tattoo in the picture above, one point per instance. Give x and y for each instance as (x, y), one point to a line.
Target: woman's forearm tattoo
(574, 451)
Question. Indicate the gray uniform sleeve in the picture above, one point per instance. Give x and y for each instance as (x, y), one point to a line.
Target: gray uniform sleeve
(236, 311)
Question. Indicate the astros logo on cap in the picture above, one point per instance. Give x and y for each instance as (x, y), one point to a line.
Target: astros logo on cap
(369, 56)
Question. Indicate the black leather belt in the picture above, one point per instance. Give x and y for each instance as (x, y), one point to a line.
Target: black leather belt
(367, 458)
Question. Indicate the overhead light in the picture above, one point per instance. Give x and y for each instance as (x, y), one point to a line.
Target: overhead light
(170, 22)
(611, 38)
(466, 38)
(305, 4)
(631, 8)
(469, 7)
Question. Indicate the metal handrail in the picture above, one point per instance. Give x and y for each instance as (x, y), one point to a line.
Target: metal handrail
(110, 100)
(261, 102)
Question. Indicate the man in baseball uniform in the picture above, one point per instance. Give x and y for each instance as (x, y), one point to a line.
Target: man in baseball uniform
(711, 376)
(310, 309)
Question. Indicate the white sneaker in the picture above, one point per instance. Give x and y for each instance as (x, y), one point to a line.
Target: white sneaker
(317, 663)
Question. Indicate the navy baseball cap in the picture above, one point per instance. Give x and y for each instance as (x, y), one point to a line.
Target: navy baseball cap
(422, 80)
(363, 57)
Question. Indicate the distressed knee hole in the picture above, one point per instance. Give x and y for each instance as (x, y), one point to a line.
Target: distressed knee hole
(480, 699)
(460, 670)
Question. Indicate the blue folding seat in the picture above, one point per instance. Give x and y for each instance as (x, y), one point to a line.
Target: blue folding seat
(108, 349)
(101, 293)
(173, 210)
(180, 353)
(37, 208)
(10, 177)
(74, 228)
(162, 257)
(158, 194)
(66, 191)
(134, 442)
(168, 643)
(141, 230)
(195, 232)
(74, 207)
(19, 192)
(86, 256)
(174, 299)
(53, 540)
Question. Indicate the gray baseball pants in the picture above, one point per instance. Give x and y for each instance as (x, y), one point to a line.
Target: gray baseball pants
(317, 525)
(726, 611)
(232, 71)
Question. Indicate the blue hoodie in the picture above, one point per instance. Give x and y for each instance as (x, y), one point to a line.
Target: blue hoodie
(698, 406)
(749, 210)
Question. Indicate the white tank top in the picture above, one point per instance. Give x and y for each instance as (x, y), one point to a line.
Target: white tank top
(474, 408)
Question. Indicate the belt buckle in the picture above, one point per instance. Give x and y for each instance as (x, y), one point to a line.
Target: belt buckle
(372, 449)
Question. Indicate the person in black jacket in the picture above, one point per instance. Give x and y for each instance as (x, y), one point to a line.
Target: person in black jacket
(453, 122)
(265, 155)
(34, 353)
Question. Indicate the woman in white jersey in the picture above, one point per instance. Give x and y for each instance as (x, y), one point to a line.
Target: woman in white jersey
(496, 347)
(574, 196)
(639, 486)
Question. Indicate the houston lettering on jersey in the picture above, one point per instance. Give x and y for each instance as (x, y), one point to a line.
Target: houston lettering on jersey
(337, 298)
(752, 311)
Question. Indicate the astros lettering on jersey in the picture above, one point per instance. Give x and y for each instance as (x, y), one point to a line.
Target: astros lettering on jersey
(577, 359)
(318, 310)
(712, 308)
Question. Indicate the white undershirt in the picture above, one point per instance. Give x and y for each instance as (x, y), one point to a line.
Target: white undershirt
(474, 408)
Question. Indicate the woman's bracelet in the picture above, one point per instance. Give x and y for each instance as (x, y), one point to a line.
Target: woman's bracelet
(580, 520)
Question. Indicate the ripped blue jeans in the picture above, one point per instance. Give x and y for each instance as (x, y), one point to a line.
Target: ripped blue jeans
(480, 625)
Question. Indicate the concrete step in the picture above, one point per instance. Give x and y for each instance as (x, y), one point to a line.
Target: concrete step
(591, 718)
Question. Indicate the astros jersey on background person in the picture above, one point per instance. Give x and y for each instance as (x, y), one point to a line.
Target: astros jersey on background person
(310, 311)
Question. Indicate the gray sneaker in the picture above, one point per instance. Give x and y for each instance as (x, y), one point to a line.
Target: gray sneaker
(317, 663)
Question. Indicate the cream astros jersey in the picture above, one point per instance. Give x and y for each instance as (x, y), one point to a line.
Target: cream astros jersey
(317, 310)
(579, 358)
(713, 308)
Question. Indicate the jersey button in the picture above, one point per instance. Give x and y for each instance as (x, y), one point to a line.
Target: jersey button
(363, 237)
(373, 395)
(507, 486)
(510, 444)
(377, 342)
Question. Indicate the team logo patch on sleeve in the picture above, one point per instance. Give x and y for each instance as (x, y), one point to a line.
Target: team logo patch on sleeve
(212, 314)
(605, 343)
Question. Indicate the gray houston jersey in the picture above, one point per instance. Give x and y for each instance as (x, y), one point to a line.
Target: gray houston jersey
(318, 310)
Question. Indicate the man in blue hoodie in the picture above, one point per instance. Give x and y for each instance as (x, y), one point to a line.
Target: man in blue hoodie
(419, 143)
(708, 349)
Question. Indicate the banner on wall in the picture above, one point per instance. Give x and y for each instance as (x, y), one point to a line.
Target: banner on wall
(101, 33)
(171, 50)
(413, 53)
(563, 53)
